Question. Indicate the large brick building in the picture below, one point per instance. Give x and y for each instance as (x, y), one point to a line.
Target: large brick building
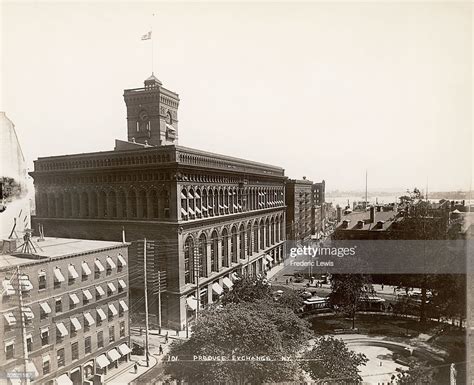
(208, 216)
(299, 211)
(64, 312)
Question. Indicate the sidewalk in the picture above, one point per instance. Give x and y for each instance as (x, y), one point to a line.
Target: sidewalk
(129, 375)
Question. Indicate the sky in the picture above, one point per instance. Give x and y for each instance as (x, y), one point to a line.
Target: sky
(324, 90)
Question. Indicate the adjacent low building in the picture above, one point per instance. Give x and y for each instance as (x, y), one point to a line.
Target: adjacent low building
(64, 311)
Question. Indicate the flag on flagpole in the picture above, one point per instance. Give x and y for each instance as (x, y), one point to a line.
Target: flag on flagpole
(146, 36)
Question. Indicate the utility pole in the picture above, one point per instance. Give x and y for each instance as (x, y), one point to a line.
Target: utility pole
(159, 302)
(146, 305)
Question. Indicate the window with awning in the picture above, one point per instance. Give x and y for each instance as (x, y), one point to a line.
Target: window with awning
(269, 259)
(183, 196)
(123, 305)
(58, 276)
(99, 265)
(184, 212)
(101, 314)
(87, 294)
(89, 319)
(111, 287)
(10, 318)
(124, 349)
(191, 211)
(217, 288)
(63, 380)
(192, 302)
(72, 272)
(100, 291)
(75, 322)
(111, 263)
(113, 355)
(25, 283)
(29, 315)
(113, 309)
(86, 269)
(122, 283)
(121, 260)
(265, 262)
(74, 298)
(227, 282)
(102, 361)
(8, 287)
(45, 307)
(62, 329)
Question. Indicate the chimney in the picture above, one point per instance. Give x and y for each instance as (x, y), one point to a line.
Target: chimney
(380, 224)
(372, 214)
(338, 214)
(360, 224)
(345, 224)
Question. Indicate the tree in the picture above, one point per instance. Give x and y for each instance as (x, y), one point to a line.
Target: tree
(248, 289)
(246, 329)
(290, 299)
(331, 359)
(347, 291)
(417, 374)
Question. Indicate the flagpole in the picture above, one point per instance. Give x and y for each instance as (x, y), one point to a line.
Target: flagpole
(151, 29)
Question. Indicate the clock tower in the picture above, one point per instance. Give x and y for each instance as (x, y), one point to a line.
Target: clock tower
(152, 114)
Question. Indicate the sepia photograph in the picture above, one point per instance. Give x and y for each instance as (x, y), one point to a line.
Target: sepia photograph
(236, 192)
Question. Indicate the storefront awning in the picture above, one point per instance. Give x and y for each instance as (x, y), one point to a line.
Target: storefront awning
(102, 361)
(227, 282)
(64, 380)
(124, 349)
(192, 302)
(113, 355)
(217, 288)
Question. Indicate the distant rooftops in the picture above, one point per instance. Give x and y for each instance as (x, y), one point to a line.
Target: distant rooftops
(51, 248)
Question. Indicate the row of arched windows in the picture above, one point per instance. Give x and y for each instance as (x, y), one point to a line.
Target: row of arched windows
(198, 203)
(141, 204)
(221, 249)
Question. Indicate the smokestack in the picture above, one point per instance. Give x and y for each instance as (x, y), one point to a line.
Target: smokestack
(338, 214)
(372, 214)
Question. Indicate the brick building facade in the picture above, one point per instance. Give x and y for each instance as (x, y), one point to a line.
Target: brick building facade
(208, 216)
(73, 323)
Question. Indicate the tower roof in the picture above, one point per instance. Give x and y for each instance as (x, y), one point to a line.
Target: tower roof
(152, 80)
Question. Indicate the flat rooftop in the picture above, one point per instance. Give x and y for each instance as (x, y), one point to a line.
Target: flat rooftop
(51, 248)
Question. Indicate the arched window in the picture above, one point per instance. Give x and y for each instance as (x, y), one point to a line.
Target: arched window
(267, 231)
(262, 235)
(188, 260)
(214, 251)
(132, 204)
(272, 230)
(249, 240)
(143, 204)
(121, 204)
(112, 204)
(84, 204)
(225, 248)
(102, 205)
(233, 245)
(242, 241)
(60, 206)
(93, 205)
(255, 237)
(202, 256)
(154, 203)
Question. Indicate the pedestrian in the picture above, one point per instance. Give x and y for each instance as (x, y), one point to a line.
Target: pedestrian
(382, 286)
(166, 338)
(135, 367)
(287, 281)
(161, 350)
